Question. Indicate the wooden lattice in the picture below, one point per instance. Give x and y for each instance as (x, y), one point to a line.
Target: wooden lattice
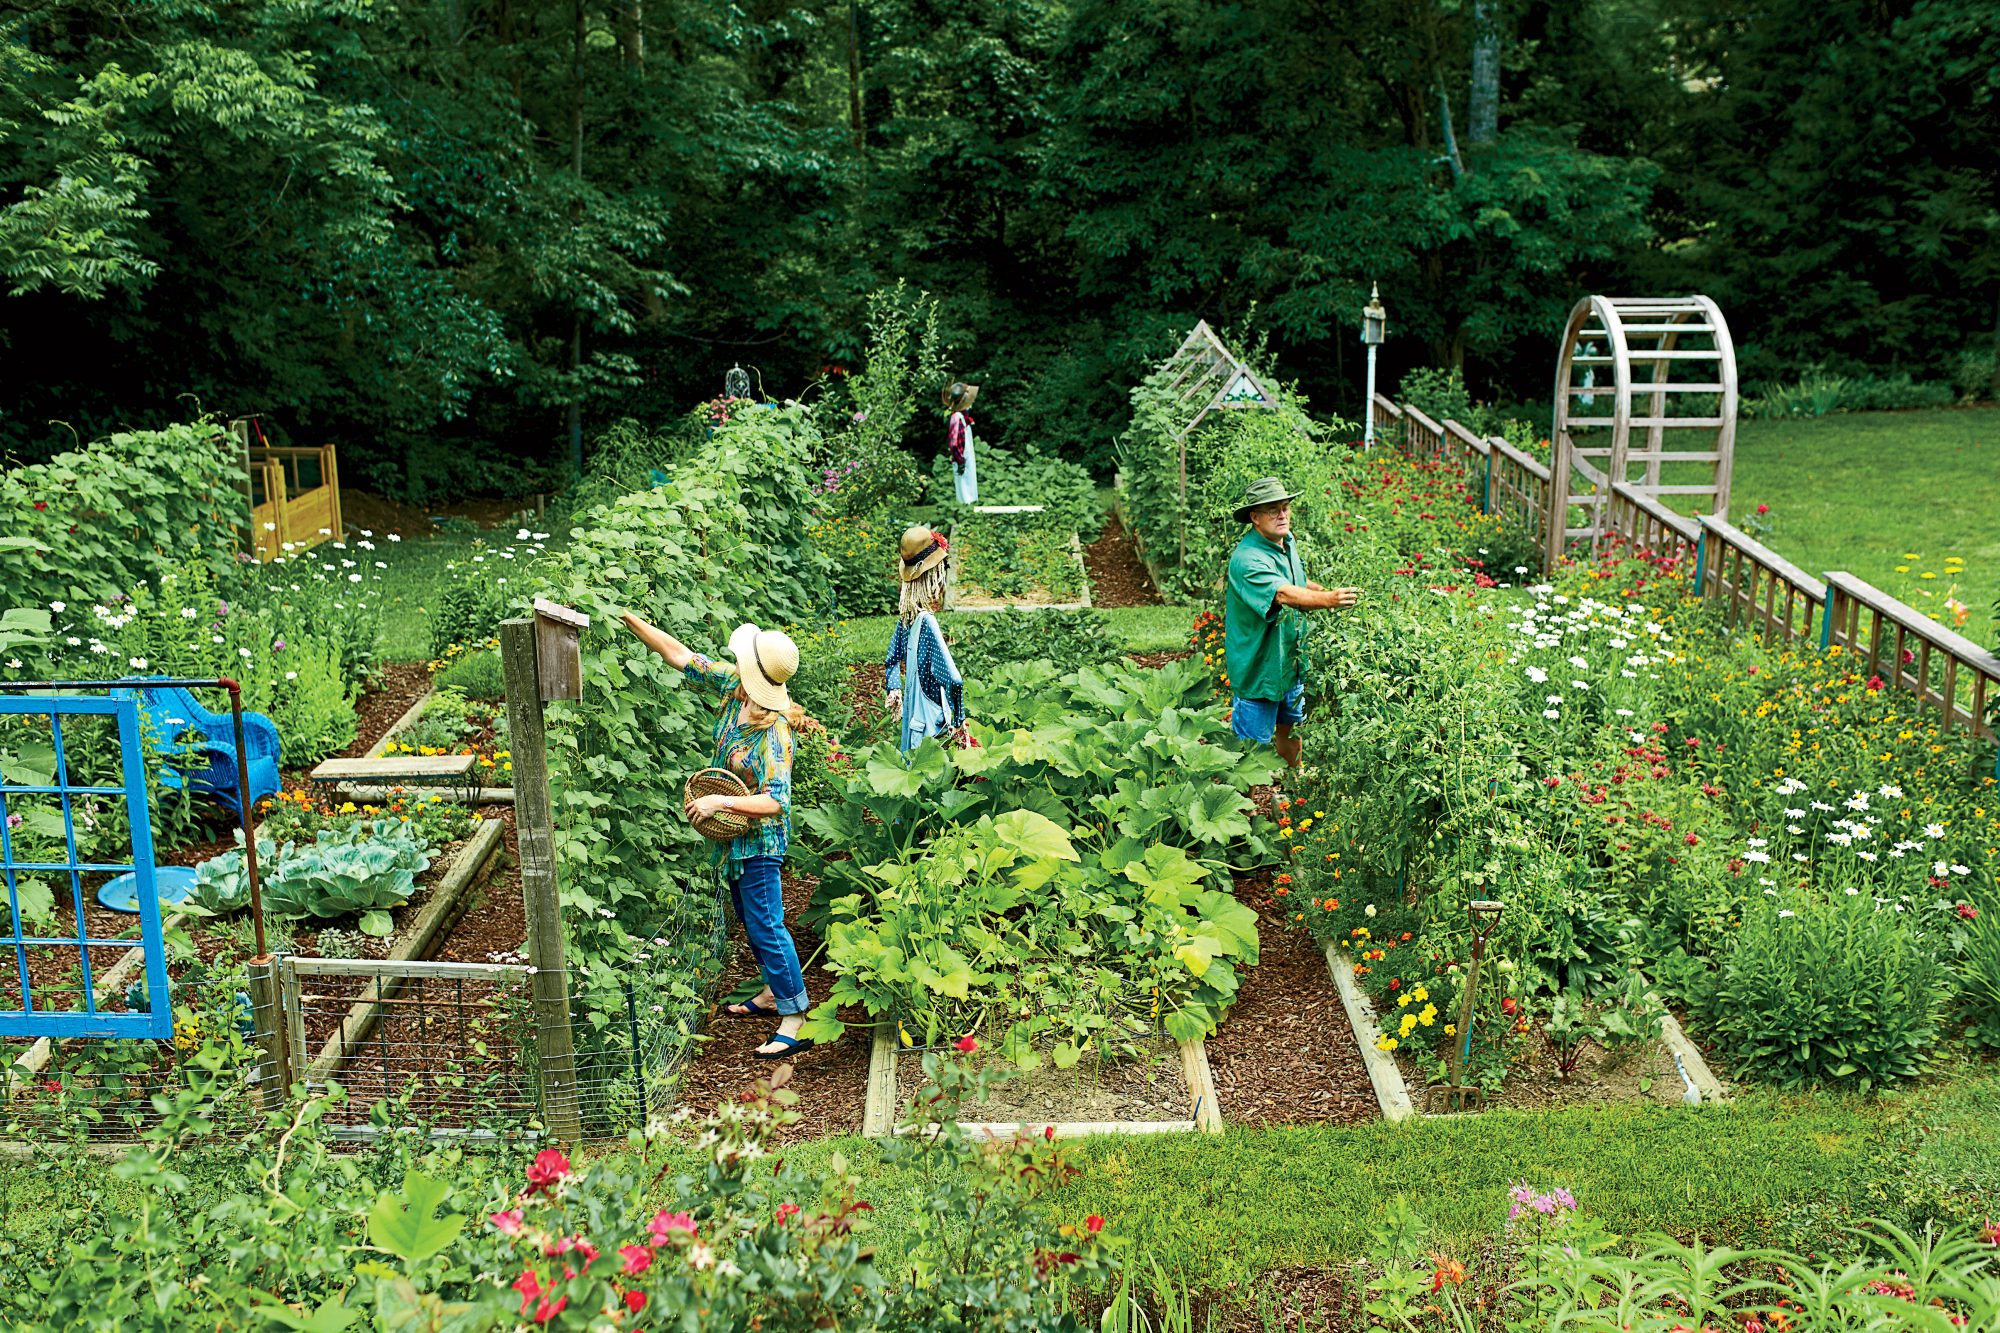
(1646, 396)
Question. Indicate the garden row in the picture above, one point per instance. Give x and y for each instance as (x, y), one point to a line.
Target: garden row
(1770, 840)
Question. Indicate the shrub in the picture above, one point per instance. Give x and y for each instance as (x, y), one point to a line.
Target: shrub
(476, 675)
(1065, 491)
(861, 556)
(1832, 989)
(466, 609)
(865, 468)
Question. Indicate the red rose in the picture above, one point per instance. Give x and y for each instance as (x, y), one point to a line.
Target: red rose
(1763, 509)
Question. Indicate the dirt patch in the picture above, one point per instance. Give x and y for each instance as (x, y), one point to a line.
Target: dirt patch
(1117, 574)
(1151, 1087)
(399, 685)
(831, 1081)
(364, 510)
(494, 925)
(1285, 1054)
(1154, 661)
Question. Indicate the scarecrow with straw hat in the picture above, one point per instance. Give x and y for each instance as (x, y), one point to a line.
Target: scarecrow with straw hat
(921, 682)
(1263, 625)
(753, 740)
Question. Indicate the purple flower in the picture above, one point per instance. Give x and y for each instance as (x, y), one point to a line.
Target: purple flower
(279, 645)
(13, 821)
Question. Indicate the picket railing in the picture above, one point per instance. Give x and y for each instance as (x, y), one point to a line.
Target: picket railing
(1754, 587)
(1760, 589)
(1942, 668)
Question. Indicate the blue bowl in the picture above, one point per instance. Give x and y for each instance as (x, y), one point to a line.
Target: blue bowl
(173, 883)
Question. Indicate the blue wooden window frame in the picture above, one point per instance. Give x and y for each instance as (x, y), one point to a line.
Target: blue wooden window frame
(90, 1021)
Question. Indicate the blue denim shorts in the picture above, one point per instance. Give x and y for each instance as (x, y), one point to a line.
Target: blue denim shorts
(1258, 719)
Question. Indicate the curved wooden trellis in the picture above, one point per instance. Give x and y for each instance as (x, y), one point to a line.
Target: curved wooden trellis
(1663, 366)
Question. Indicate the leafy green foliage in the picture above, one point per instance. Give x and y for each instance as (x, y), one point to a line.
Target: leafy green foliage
(1002, 926)
(985, 642)
(355, 869)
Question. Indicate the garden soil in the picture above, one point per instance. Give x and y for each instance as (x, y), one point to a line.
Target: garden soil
(1285, 1054)
(831, 1082)
(1117, 575)
(1152, 1088)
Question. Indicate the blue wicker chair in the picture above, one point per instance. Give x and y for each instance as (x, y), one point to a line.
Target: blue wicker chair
(207, 767)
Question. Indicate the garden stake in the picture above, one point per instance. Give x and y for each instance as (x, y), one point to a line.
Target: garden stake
(1457, 1095)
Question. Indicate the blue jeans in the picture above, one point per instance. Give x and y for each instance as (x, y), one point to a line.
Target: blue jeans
(1258, 719)
(758, 895)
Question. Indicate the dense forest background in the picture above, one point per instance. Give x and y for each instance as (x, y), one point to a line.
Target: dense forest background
(456, 235)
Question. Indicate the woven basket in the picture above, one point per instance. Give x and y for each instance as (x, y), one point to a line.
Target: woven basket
(721, 826)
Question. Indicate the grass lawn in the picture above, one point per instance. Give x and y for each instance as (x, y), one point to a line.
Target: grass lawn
(1860, 491)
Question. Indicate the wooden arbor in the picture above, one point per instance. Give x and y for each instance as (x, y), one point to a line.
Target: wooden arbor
(1660, 366)
(1204, 376)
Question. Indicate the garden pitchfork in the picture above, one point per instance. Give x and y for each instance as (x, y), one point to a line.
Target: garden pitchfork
(1457, 1095)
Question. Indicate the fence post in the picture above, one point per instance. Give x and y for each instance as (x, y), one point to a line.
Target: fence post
(1486, 486)
(267, 1016)
(534, 825)
(1701, 563)
(1826, 617)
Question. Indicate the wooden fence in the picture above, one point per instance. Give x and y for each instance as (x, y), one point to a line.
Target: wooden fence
(1753, 587)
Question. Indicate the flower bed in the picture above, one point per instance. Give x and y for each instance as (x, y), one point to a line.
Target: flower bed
(1798, 861)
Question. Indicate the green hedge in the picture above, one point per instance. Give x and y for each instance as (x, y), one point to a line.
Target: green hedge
(724, 541)
(94, 523)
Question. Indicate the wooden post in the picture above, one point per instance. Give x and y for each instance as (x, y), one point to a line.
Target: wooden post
(267, 1015)
(534, 824)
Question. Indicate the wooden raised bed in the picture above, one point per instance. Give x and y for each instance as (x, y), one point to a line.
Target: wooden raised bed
(1204, 1113)
(1392, 1090)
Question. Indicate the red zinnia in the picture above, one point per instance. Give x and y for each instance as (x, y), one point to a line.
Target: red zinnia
(549, 1169)
(786, 1212)
(966, 1045)
(1093, 1224)
(635, 1301)
(637, 1258)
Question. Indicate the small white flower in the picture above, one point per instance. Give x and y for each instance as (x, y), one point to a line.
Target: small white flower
(1858, 801)
(189, 613)
(1537, 675)
(1939, 868)
(1368, 910)
(1794, 828)
(1933, 830)
(1785, 912)
(1866, 856)
(1580, 663)
(138, 663)
(1961, 870)
(1552, 699)
(73, 641)
(521, 536)
(395, 537)
(1580, 685)
(1891, 790)
(1551, 713)
(273, 527)
(1762, 880)
(97, 647)
(1625, 712)
(354, 578)
(1800, 857)
(291, 675)
(381, 564)
(1822, 807)
(1854, 893)
(243, 653)
(1757, 857)
(215, 638)
(58, 607)
(1791, 813)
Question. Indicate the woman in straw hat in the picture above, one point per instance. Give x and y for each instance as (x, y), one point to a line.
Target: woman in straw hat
(921, 680)
(753, 739)
(958, 396)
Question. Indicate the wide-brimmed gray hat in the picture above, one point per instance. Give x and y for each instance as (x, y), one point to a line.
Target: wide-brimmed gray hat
(1263, 491)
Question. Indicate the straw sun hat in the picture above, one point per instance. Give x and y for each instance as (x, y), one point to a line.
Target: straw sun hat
(765, 660)
(922, 552)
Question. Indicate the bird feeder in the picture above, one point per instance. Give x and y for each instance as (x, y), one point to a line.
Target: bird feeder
(559, 650)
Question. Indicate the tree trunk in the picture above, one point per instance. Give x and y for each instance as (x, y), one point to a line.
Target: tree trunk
(1484, 113)
(581, 36)
(632, 34)
(1450, 141)
(854, 76)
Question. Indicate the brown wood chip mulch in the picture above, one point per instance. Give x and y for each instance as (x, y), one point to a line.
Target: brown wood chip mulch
(831, 1081)
(382, 703)
(1117, 575)
(1285, 1054)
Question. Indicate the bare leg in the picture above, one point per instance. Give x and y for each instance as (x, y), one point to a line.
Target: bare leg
(1287, 745)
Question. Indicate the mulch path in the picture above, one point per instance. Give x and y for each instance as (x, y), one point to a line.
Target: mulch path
(1117, 575)
(1157, 660)
(1285, 1054)
(494, 925)
(831, 1082)
(400, 685)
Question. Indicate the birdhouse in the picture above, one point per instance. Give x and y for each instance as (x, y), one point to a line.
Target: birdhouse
(558, 650)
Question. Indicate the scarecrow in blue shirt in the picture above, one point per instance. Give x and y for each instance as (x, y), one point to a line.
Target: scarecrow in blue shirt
(921, 681)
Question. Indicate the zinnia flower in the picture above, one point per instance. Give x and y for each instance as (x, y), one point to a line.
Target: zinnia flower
(549, 1169)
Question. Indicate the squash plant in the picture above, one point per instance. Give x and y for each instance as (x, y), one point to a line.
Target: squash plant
(1004, 926)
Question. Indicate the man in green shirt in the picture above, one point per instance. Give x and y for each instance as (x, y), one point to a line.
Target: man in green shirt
(1263, 628)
